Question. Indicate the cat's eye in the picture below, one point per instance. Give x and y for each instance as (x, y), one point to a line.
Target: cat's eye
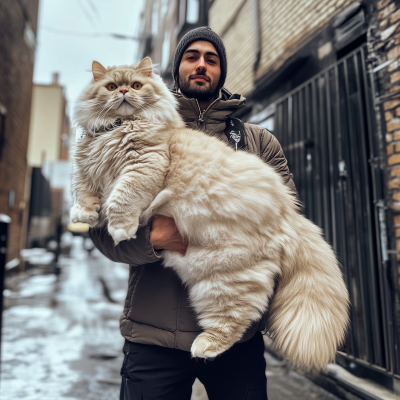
(137, 86)
(111, 86)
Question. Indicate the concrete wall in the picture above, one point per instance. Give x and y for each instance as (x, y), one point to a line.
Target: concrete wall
(46, 124)
(18, 23)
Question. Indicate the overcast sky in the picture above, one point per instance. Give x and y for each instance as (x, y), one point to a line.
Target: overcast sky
(72, 56)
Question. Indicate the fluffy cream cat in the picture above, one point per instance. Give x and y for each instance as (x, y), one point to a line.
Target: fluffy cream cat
(242, 222)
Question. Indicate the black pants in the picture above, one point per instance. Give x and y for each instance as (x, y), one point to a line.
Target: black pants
(152, 372)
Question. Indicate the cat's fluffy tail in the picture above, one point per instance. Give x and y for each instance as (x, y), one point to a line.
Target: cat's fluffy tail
(309, 312)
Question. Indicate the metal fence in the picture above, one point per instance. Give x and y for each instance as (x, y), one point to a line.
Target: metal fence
(327, 129)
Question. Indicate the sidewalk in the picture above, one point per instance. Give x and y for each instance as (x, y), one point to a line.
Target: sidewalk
(61, 339)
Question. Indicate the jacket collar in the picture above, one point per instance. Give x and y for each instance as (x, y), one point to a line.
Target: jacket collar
(219, 110)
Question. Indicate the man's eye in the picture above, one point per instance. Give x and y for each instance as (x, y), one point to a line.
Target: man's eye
(211, 61)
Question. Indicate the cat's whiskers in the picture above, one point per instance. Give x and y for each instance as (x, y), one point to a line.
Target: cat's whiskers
(99, 118)
(102, 114)
(100, 110)
(105, 110)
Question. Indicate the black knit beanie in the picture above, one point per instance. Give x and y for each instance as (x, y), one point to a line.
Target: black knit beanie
(203, 33)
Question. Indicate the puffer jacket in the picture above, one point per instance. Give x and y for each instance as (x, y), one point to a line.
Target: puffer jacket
(157, 309)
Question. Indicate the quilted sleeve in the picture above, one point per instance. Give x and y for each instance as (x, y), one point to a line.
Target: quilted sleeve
(134, 252)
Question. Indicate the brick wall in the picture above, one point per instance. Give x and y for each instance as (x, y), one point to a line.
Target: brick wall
(16, 68)
(387, 47)
(238, 36)
(285, 26)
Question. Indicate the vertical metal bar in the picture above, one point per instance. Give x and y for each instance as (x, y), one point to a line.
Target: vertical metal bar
(329, 190)
(290, 139)
(369, 253)
(296, 137)
(320, 153)
(350, 223)
(357, 212)
(278, 123)
(341, 218)
(283, 125)
(378, 191)
(311, 170)
(314, 135)
(295, 144)
(385, 288)
(374, 320)
(300, 151)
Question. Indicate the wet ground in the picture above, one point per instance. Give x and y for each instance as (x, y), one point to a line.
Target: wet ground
(61, 338)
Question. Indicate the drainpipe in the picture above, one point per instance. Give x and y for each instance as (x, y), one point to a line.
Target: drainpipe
(257, 32)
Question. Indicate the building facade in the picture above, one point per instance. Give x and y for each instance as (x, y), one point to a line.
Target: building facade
(49, 130)
(18, 26)
(48, 160)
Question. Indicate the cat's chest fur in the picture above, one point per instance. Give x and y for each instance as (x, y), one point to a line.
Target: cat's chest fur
(108, 155)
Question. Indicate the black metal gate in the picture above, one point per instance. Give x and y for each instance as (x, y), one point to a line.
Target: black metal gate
(327, 130)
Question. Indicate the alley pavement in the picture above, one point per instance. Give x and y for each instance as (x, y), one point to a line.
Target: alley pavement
(61, 338)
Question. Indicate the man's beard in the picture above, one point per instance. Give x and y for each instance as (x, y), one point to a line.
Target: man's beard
(201, 93)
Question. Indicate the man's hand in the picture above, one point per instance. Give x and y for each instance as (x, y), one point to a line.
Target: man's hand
(165, 235)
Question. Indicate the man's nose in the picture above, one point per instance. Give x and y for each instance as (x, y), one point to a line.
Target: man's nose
(201, 66)
(123, 91)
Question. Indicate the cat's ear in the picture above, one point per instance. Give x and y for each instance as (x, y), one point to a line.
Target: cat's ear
(145, 66)
(98, 70)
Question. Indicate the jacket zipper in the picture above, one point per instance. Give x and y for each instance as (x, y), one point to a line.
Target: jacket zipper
(201, 113)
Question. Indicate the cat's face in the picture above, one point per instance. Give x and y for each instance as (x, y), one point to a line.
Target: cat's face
(126, 91)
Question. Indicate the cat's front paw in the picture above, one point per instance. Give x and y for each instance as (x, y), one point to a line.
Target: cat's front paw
(124, 231)
(83, 213)
(208, 345)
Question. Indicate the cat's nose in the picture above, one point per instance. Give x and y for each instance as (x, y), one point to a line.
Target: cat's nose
(123, 91)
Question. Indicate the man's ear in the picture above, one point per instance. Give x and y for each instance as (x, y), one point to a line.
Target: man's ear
(98, 70)
(145, 66)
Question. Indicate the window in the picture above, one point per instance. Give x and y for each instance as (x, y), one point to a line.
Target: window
(154, 18)
(265, 118)
(182, 13)
(165, 51)
(29, 36)
(189, 12)
(192, 14)
(268, 124)
(164, 8)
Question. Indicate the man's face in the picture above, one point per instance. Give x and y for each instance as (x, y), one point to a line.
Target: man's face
(199, 71)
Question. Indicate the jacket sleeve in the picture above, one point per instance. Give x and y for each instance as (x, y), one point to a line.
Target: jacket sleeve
(271, 152)
(135, 252)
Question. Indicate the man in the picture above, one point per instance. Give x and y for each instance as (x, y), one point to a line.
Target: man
(158, 322)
